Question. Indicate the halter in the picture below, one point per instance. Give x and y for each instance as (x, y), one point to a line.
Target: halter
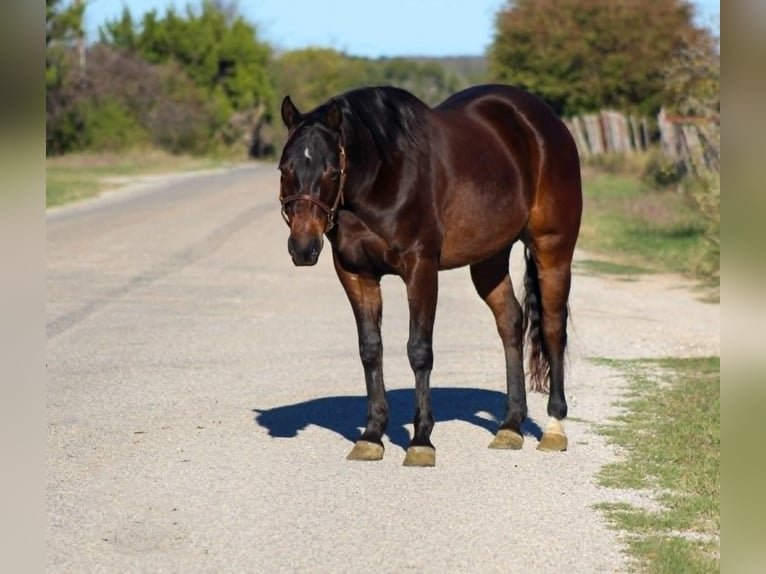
(330, 211)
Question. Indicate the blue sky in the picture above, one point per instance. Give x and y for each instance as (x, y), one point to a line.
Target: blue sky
(372, 29)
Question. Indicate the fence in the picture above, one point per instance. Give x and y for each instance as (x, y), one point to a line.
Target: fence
(693, 141)
(608, 132)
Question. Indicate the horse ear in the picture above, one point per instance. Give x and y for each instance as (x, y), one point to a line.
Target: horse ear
(290, 114)
(334, 117)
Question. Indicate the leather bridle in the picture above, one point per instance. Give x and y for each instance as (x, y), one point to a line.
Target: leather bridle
(330, 211)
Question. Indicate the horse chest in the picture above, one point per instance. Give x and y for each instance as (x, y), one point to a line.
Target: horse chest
(360, 249)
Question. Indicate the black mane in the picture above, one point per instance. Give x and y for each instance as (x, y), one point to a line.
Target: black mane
(394, 119)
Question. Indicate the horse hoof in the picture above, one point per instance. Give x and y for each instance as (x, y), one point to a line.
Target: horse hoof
(552, 442)
(507, 439)
(365, 450)
(420, 456)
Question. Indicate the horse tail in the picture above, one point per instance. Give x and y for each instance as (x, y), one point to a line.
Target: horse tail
(538, 361)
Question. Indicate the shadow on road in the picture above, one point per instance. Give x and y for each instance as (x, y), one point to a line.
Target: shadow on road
(345, 415)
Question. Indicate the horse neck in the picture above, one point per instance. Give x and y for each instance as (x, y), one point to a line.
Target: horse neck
(364, 164)
(369, 167)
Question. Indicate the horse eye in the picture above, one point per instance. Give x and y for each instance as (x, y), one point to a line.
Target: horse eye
(334, 173)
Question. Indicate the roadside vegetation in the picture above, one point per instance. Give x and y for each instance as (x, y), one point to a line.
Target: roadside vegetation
(670, 435)
(142, 81)
(636, 222)
(648, 211)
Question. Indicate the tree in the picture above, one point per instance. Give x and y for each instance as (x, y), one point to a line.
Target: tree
(215, 47)
(63, 30)
(583, 55)
(121, 34)
(312, 75)
(428, 80)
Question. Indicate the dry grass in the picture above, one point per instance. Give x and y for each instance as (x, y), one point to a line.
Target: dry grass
(79, 176)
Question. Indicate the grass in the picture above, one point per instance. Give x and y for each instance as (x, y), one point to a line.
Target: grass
(642, 229)
(671, 436)
(626, 271)
(79, 176)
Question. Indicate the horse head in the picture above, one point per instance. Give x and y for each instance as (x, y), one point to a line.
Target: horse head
(313, 173)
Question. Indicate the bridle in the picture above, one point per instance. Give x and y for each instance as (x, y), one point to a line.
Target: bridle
(330, 211)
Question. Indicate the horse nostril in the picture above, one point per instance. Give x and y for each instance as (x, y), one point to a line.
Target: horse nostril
(304, 251)
(315, 247)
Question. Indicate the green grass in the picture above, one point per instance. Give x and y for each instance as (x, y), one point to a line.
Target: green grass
(79, 176)
(626, 271)
(671, 435)
(640, 228)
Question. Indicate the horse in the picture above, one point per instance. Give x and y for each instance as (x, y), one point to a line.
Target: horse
(399, 187)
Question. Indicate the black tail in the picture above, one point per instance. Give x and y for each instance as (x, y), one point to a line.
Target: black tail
(539, 364)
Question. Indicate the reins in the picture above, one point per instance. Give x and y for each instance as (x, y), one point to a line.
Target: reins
(330, 211)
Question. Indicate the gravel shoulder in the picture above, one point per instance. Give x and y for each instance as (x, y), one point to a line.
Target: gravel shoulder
(202, 394)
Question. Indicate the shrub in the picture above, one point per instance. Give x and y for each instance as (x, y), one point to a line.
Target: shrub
(661, 172)
(110, 125)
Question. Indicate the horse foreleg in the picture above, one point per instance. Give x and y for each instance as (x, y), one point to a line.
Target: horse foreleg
(367, 303)
(421, 279)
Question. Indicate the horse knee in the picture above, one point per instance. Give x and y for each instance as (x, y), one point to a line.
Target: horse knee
(420, 354)
(370, 350)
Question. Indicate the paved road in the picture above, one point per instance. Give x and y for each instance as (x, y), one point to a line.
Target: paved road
(203, 394)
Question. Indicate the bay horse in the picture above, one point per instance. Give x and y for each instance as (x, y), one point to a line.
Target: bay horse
(398, 187)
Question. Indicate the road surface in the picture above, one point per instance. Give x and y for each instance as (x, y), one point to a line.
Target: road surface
(203, 394)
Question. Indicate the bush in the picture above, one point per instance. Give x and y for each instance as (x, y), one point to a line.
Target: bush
(123, 102)
(692, 83)
(660, 172)
(706, 190)
(110, 125)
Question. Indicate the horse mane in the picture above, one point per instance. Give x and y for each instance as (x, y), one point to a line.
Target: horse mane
(394, 119)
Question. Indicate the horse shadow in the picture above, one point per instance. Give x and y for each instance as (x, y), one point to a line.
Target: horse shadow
(346, 415)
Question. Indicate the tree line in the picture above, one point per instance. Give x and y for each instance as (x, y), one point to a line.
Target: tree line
(201, 79)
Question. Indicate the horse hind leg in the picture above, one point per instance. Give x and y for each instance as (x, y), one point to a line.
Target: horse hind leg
(493, 284)
(548, 282)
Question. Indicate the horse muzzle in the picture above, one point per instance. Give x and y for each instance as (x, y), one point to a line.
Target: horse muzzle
(305, 250)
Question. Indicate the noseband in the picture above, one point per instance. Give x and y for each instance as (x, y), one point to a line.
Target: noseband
(330, 211)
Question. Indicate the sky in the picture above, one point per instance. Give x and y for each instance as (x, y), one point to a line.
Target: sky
(372, 29)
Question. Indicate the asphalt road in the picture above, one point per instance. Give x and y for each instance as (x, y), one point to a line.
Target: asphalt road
(203, 394)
